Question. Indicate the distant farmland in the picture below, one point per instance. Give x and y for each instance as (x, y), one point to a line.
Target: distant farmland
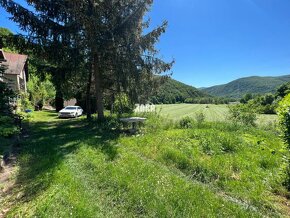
(211, 112)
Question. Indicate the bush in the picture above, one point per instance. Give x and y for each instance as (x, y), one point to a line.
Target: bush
(243, 114)
(7, 127)
(156, 122)
(200, 118)
(284, 118)
(24, 102)
(41, 90)
(186, 123)
(5, 95)
(122, 104)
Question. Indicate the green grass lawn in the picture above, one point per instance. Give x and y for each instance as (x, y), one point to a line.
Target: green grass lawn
(69, 168)
(211, 112)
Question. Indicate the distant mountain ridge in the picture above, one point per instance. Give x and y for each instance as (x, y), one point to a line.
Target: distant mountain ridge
(253, 84)
(173, 91)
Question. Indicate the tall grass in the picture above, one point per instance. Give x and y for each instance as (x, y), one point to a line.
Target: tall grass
(79, 169)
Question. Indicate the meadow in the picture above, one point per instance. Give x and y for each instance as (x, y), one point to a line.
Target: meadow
(213, 113)
(72, 168)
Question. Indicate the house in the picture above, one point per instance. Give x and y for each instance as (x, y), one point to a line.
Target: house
(16, 73)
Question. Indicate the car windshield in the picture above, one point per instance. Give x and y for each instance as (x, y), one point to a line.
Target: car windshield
(70, 108)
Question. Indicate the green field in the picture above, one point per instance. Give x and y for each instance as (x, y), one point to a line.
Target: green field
(71, 168)
(211, 112)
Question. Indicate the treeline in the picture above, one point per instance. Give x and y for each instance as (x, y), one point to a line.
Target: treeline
(268, 103)
(174, 92)
(209, 100)
(262, 104)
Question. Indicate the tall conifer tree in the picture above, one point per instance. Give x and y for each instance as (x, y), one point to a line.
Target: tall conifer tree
(107, 35)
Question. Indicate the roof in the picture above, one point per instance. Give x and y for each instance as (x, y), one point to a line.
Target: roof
(14, 62)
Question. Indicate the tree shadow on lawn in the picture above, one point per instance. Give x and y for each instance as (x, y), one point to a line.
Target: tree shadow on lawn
(50, 143)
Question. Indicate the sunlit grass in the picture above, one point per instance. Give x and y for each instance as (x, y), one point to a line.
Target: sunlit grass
(80, 169)
(212, 112)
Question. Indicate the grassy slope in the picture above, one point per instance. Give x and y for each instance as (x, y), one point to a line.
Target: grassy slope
(254, 85)
(69, 168)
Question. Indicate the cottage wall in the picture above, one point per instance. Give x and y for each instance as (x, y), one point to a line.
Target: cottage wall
(12, 81)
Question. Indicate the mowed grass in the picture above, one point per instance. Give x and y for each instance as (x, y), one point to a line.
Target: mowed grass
(70, 168)
(213, 113)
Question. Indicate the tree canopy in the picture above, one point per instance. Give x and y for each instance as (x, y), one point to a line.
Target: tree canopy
(104, 40)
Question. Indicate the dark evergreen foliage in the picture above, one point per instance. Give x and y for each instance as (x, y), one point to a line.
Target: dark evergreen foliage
(5, 93)
(102, 39)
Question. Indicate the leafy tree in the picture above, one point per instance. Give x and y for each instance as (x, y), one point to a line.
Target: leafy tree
(4, 33)
(41, 91)
(283, 90)
(246, 98)
(265, 104)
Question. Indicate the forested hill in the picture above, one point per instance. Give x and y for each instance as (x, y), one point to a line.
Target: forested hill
(254, 85)
(173, 91)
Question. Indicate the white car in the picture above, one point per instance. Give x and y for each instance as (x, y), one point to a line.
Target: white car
(70, 111)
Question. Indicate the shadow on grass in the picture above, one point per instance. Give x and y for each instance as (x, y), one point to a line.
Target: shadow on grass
(48, 145)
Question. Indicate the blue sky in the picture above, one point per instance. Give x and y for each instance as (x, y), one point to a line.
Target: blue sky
(216, 41)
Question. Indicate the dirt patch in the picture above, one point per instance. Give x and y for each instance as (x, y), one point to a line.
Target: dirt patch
(7, 183)
(8, 170)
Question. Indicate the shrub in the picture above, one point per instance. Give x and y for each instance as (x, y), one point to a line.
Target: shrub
(7, 127)
(41, 90)
(5, 95)
(243, 114)
(24, 102)
(186, 123)
(108, 124)
(122, 104)
(156, 122)
(5, 120)
(284, 118)
(200, 118)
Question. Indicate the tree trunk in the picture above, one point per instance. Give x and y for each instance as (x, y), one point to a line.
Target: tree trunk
(59, 101)
(88, 96)
(98, 88)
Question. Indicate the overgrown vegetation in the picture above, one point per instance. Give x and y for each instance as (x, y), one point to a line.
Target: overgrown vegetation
(262, 104)
(41, 91)
(7, 127)
(73, 168)
(242, 114)
(284, 118)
